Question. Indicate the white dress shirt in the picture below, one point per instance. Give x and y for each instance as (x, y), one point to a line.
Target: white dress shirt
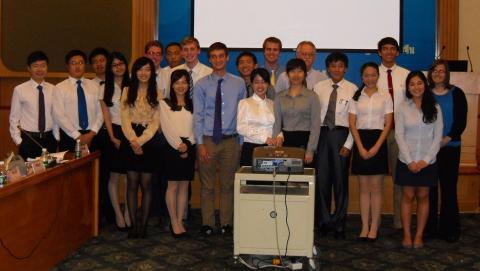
(163, 81)
(198, 72)
(255, 119)
(313, 77)
(97, 80)
(65, 106)
(24, 108)
(345, 92)
(176, 124)
(399, 75)
(371, 111)
(114, 110)
(416, 139)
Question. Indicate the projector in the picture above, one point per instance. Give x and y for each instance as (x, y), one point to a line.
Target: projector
(282, 160)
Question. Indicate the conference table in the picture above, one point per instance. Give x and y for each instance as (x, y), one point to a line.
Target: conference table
(46, 216)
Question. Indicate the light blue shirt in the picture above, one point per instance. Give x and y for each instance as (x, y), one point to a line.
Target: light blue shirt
(204, 93)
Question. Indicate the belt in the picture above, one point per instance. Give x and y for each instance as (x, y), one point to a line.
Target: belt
(38, 134)
(334, 128)
(227, 136)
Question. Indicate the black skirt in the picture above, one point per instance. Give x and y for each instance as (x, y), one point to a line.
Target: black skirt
(178, 168)
(247, 153)
(111, 154)
(377, 164)
(150, 159)
(426, 177)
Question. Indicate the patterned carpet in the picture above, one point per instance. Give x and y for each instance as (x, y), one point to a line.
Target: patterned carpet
(113, 251)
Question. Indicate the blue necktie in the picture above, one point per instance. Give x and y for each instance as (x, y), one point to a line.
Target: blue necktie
(41, 109)
(217, 122)
(82, 106)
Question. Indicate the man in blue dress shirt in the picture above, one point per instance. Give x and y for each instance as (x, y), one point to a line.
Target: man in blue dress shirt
(215, 100)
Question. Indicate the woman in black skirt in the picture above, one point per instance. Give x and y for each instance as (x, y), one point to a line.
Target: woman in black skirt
(140, 122)
(255, 116)
(116, 78)
(297, 113)
(370, 122)
(419, 127)
(177, 124)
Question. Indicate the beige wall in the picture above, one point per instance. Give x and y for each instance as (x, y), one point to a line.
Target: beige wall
(469, 32)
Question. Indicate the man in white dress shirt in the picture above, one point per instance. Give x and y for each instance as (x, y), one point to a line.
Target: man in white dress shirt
(392, 79)
(154, 51)
(307, 52)
(76, 108)
(98, 60)
(31, 119)
(334, 145)
(173, 56)
(272, 47)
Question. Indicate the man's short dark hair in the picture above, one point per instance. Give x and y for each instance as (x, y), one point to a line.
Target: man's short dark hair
(171, 44)
(272, 40)
(36, 56)
(75, 52)
(247, 54)
(153, 43)
(97, 51)
(336, 56)
(217, 46)
(389, 41)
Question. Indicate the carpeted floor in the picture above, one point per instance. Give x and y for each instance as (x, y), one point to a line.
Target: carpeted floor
(113, 251)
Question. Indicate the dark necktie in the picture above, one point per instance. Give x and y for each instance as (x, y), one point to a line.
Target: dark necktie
(82, 106)
(390, 89)
(41, 109)
(217, 122)
(191, 84)
(332, 102)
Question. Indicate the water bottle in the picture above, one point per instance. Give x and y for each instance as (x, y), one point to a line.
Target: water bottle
(44, 157)
(78, 149)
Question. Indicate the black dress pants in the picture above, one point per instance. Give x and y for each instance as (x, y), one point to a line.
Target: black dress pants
(448, 160)
(332, 173)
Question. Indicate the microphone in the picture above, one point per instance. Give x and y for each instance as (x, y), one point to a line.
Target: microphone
(441, 52)
(31, 138)
(469, 59)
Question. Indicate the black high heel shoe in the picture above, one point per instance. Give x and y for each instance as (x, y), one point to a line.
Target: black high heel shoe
(176, 235)
(132, 233)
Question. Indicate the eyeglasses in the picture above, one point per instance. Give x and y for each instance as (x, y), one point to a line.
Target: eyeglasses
(75, 63)
(439, 71)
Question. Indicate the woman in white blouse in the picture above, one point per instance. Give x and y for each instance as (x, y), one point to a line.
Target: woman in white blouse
(418, 132)
(177, 124)
(255, 117)
(370, 120)
(116, 78)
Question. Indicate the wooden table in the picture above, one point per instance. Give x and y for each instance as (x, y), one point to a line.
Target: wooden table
(46, 216)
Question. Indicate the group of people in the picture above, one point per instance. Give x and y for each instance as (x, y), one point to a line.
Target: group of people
(167, 119)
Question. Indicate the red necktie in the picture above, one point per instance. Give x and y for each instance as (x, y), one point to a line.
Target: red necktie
(390, 90)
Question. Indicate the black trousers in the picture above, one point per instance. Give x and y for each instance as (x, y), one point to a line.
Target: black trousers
(28, 148)
(68, 144)
(332, 173)
(448, 160)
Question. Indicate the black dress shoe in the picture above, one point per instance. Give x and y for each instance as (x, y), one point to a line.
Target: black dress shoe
(339, 235)
(452, 238)
(362, 239)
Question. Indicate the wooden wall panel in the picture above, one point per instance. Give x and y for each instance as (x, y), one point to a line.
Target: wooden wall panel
(447, 28)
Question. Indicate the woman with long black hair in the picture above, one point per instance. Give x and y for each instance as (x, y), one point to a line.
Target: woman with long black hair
(140, 122)
(177, 125)
(418, 132)
(116, 79)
